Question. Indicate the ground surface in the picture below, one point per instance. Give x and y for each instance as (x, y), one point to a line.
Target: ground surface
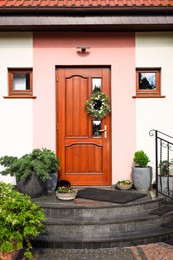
(158, 251)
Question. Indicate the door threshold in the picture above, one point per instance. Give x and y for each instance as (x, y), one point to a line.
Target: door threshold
(108, 187)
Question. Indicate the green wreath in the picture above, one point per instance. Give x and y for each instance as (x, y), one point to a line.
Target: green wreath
(98, 106)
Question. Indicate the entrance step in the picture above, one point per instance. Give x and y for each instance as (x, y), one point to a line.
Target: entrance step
(105, 224)
(105, 240)
(93, 224)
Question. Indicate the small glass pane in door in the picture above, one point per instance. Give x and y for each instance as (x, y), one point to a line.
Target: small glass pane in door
(96, 84)
(96, 126)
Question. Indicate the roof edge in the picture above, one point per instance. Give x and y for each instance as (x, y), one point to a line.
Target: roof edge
(87, 23)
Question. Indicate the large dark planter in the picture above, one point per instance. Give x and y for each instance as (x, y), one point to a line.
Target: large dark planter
(51, 184)
(32, 187)
(142, 178)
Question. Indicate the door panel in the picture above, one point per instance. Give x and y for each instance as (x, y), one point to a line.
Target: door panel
(76, 93)
(81, 157)
(85, 158)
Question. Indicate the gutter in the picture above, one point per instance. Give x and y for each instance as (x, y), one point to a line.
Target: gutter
(89, 10)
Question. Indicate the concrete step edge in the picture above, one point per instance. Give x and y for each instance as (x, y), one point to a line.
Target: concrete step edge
(160, 234)
(105, 220)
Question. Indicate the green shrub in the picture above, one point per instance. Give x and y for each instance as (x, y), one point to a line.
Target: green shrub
(20, 220)
(141, 159)
(164, 167)
(40, 161)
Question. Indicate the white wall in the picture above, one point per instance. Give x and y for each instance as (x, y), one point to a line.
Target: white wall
(16, 115)
(155, 50)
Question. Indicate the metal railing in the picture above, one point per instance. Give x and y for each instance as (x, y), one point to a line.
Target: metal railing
(163, 163)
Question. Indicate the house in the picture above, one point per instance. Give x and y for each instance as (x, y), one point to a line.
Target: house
(53, 53)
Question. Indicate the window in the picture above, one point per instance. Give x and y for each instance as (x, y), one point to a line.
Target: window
(20, 82)
(96, 84)
(148, 82)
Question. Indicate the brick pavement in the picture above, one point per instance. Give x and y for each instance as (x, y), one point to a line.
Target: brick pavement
(158, 251)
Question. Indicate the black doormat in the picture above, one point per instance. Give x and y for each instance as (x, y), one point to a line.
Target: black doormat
(109, 195)
(163, 210)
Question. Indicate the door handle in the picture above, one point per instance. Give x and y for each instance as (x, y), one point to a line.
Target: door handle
(104, 130)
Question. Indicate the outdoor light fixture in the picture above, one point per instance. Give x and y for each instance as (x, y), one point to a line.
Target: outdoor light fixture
(83, 48)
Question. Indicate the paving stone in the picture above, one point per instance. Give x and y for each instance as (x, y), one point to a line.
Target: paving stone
(158, 251)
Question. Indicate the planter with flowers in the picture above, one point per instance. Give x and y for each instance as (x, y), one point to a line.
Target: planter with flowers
(124, 184)
(66, 193)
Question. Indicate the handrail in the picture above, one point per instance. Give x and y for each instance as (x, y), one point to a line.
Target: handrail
(162, 166)
(159, 132)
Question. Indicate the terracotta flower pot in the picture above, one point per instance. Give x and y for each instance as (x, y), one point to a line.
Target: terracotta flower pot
(9, 256)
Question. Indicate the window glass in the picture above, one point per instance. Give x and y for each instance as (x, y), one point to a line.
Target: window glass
(96, 127)
(96, 84)
(21, 81)
(147, 80)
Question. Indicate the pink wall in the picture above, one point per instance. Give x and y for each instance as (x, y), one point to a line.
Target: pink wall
(114, 49)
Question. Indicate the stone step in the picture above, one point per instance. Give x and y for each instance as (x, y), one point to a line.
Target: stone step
(55, 208)
(106, 224)
(105, 240)
(92, 224)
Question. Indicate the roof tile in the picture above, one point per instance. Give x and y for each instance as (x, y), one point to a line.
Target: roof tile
(83, 3)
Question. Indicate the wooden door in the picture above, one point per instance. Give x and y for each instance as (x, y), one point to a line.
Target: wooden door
(85, 157)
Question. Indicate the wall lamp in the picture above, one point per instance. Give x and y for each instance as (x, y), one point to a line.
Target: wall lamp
(83, 48)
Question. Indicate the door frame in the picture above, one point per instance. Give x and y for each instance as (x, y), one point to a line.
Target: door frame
(110, 122)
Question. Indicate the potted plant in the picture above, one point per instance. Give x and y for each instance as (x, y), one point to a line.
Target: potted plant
(124, 184)
(141, 172)
(165, 178)
(32, 170)
(164, 167)
(20, 220)
(66, 193)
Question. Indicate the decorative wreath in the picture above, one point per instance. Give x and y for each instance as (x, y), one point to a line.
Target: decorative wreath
(98, 106)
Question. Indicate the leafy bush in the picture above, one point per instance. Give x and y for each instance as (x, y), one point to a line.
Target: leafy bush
(40, 161)
(164, 167)
(20, 220)
(141, 159)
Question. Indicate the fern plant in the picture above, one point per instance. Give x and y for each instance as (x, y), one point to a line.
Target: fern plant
(20, 220)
